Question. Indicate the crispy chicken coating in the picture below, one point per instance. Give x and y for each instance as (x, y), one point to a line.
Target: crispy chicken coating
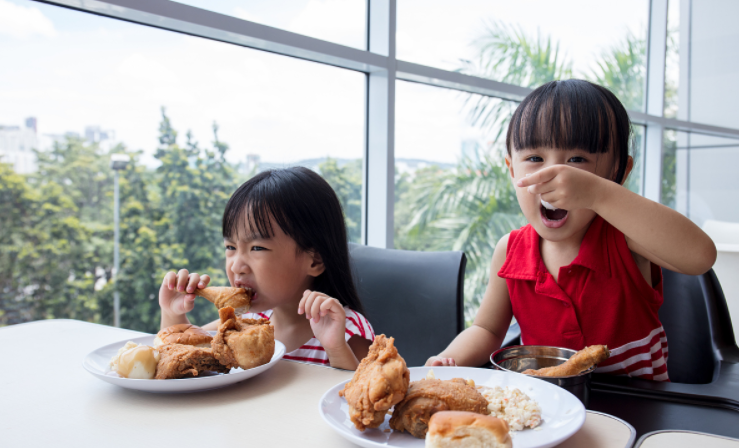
(223, 296)
(381, 381)
(429, 396)
(245, 343)
(180, 361)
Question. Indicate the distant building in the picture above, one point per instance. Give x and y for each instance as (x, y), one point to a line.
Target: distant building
(17, 145)
(252, 162)
(104, 137)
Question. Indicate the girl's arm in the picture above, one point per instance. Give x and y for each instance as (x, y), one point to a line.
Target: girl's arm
(474, 345)
(654, 231)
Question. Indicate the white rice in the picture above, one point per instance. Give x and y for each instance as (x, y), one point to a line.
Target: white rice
(513, 406)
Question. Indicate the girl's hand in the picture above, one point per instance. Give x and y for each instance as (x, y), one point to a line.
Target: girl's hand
(176, 296)
(436, 361)
(327, 318)
(565, 187)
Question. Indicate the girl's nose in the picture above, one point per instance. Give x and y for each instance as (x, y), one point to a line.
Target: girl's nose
(239, 266)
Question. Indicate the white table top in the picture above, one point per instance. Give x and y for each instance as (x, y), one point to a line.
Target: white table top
(685, 439)
(48, 399)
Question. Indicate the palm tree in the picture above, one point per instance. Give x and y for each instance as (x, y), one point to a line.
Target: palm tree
(472, 206)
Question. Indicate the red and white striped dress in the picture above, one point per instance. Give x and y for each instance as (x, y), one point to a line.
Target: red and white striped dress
(600, 298)
(312, 351)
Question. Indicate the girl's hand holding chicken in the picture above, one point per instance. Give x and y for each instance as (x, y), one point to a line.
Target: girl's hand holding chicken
(177, 295)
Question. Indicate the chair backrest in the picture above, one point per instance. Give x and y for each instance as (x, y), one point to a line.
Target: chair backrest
(415, 297)
(698, 327)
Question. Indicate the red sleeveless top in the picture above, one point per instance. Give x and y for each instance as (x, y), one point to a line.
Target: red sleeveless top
(600, 298)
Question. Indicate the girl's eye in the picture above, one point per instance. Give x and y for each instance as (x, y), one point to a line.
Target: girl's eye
(230, 248)
(534, 159)
(258, 248)
(578, 159)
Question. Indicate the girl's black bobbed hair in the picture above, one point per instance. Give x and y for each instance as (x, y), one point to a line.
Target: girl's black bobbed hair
(572, 114)
(306, 208)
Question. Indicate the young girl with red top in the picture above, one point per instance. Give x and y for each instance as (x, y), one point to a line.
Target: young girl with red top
(284, 237)
(586, 269)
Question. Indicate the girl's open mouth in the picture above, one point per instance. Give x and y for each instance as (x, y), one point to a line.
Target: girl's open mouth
(553, 218)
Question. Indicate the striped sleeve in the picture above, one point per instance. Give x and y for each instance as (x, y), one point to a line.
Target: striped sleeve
(358, 325)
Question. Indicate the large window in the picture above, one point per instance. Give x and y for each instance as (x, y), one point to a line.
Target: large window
(198, 117)
(400, 105)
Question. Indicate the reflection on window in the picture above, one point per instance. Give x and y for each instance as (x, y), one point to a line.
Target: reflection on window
(635, 181)
(452, 189)
(672, 59)
(197, 117)
(694, 183)
(532, 42)
(339, 21)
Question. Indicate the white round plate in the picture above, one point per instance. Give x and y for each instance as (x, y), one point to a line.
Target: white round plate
(562, 413)
(97, 363)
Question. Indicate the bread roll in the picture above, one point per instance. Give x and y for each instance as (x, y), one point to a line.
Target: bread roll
(185, 334)
(458, 429)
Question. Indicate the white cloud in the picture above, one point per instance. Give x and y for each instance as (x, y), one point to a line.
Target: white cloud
(23, 22)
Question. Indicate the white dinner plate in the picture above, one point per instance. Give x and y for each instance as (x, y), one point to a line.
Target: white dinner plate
(562, 413)
(97, 363)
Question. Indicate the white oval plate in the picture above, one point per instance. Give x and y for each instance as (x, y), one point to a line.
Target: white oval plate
(97, 363)
(562, 413)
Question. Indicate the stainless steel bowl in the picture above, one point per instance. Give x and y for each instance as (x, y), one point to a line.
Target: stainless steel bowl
(521, 357)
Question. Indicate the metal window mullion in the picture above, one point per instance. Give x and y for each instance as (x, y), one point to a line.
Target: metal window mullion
(655, 98)
(380, 139)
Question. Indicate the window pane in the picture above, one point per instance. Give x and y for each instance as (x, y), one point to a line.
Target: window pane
(707, 80)
(198, 117)
(531, 42)
(452, 188)
(699, 176)
(341, 21)
(672, 59)
(635, 181)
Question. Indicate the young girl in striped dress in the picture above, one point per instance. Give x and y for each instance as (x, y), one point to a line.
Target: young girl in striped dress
(284, 237)
(586, 269)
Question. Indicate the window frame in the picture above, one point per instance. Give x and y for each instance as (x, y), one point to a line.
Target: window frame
(381, 67)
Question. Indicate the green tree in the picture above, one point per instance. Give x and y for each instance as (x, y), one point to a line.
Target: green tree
(347, 183)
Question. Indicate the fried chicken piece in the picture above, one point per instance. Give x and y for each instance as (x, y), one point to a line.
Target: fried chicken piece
(381, 381)
(579, 362)
(179, 361)
(245, 343)
(429, 396)
(222, 296)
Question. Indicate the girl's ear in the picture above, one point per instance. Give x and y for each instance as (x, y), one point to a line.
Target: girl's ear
(629, 167)
(509, 164)
(316, 267)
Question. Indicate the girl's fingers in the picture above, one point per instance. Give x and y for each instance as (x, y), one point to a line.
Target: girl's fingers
(541, 176)
(301, 305)
(192, 283)
(204, 280)
(182, 280)
(315, 307)
(330, 305)
(170, 280)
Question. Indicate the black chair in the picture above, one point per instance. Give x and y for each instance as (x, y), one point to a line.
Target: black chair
(415, 297)
(703, 361)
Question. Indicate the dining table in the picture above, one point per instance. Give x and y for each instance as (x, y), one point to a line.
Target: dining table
(48, 399)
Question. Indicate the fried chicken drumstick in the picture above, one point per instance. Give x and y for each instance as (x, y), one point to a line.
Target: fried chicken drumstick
(180, 361)
(579, 362)
(245, 343)
(381, 381)
(223, 296)
(429, 396)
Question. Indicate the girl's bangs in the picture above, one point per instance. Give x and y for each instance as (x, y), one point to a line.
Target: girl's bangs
(251, 210)
(565, 115)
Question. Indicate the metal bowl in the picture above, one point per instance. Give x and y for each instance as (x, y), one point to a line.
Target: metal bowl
(518, 358)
